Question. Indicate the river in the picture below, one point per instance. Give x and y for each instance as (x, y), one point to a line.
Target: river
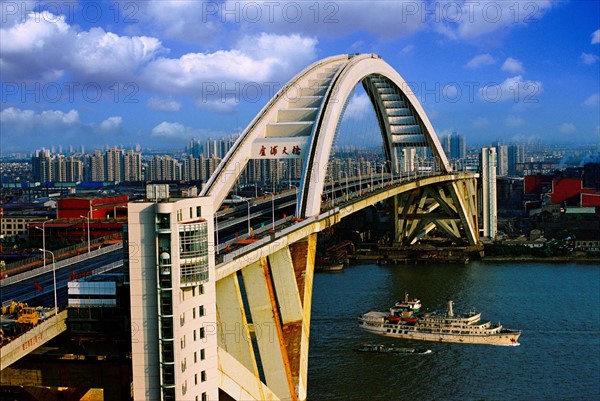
(557, 307)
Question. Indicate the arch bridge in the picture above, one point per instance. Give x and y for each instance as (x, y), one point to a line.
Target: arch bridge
(264, 289)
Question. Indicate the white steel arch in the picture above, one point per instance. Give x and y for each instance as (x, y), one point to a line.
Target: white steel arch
(304, 115)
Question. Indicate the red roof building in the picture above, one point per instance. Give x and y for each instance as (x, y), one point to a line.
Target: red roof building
(92, 207)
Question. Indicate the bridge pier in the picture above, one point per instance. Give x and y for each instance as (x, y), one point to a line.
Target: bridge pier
(450, 206)
(264, 324)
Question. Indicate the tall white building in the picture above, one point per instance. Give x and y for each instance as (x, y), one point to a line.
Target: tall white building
(489, 203)
(173, 301)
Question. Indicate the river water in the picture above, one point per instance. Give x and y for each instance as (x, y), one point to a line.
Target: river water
(557, 307)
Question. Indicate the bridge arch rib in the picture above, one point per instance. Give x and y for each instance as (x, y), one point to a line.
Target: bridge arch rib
(305, 115)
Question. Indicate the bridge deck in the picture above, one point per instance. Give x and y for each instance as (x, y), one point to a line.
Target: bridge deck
(32, 339)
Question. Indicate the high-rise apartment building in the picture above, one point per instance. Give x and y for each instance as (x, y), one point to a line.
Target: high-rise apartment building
(41, 165)
(516, 155)
(455, 146)
(173, 300)
(132, 166)
(488, 184)
(502, 160)
(164, 168)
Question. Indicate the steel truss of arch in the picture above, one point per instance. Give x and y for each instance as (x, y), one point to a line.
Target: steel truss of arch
(264, 301)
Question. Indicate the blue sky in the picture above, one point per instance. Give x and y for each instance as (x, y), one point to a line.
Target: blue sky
(157, 73)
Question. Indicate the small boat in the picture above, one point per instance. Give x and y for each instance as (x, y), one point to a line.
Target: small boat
(380, 348)
(328, 265)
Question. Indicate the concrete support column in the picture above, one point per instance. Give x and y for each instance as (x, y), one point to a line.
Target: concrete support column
(267, 326)
(234, 333)
(303, 257)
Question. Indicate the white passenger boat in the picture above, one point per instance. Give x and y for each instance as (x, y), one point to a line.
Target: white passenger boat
(440, 327)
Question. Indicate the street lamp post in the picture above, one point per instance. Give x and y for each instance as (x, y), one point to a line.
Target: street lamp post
(273, 209)
(88, 230)
(43, 238)
(248, 202)
(54, 278)
(359, 183)
(346, 175)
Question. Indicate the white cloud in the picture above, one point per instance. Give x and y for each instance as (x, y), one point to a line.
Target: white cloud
(111, 123)
(596, 37)
(588, 58)
(513, 66)
(357, 106)
(470, 20)
(19, 121)
(254, 68)
(512, 89)
(177, 131)
(480, 60)
(44, 46)
(163, 104)
(567, 128)
(512, 121)
(592, 100)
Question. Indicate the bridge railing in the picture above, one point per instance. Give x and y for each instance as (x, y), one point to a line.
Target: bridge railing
(60, 264)
(35, 260)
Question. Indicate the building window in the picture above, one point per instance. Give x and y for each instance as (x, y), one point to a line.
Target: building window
(198, 211)
(183, 342)
(196, 378)
(202, 354)
(193, 245)
(182, 319)
(179, 215)
(204, 397)
(201, 310)
(201, 289)
(195, 357)
(193, 313)
(194, 335)
(203, 376)
(202, 332)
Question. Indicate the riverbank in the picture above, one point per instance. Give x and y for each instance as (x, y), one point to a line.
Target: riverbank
(537, 259)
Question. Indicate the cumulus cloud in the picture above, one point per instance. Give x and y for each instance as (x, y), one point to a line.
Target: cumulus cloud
(588, 58)
(592, 100)
(513, 66)
(22, 128)
(20, 121)
(176, 131)
(596, 37)
(111, 123)
(252, 69)
(43, 46)
(163, 104)
(480, 60)
(514, 89)
(567, 128)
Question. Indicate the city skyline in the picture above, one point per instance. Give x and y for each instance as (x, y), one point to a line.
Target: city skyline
(160, 73)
